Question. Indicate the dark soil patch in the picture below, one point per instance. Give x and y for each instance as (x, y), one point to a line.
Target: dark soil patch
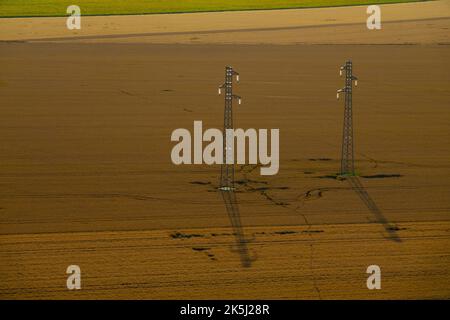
(285, 232)
(179, 235)
(200, 182)
(320, 159)
(382, 176)
(312, 231)
(200, 249)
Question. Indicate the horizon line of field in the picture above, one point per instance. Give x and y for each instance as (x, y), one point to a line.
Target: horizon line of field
(148, 8)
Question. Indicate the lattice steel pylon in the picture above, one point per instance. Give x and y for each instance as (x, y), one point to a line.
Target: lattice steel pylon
(347, 155)
(227, 167)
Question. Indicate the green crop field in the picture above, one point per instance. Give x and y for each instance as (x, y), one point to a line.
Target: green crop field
(30, 8)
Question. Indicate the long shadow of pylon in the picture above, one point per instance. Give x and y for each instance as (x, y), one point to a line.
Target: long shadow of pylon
(232, 207)
(357, 186)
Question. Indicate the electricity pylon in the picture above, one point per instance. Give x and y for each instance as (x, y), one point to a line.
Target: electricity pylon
(227, 168)
(347, 156)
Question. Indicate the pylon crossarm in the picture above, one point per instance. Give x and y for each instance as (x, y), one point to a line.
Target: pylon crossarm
(235, 73)
(221, 87)
(339, 91)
